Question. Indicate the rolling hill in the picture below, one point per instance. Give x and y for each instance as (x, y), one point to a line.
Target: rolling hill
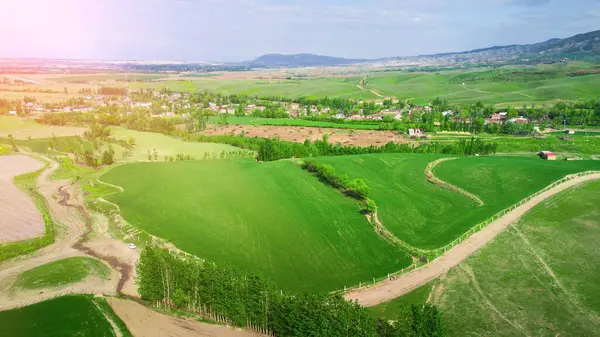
(301, 60)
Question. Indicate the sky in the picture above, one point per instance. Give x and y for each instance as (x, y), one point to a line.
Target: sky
(239, 30)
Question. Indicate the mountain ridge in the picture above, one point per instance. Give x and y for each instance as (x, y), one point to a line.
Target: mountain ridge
(580, 46)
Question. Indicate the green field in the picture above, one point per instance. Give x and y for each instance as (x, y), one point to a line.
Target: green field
(293, 122)
(25, 128)
(539, 278)
(427, 216)
(509, 85)
(313, 88)
(164, 145)
(270, 218)
(61, 272)
(505, 86)
(66, 316)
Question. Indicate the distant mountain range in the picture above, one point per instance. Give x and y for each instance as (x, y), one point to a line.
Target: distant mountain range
(579, 47)
(582, 46)
(301, 60)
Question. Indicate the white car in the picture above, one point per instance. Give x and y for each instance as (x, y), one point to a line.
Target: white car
(131, 246)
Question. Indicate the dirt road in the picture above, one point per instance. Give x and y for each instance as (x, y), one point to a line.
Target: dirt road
(142, 322)
(389, 290)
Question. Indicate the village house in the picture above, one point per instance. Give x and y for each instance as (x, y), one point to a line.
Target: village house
(447, 113)
(547, 155)
(415, 132)
(519, 120)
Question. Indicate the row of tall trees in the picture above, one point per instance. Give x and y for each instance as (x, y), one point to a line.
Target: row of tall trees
(176, 281)
(270, 149)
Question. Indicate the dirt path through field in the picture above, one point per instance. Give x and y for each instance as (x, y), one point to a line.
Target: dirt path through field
(65, 203)
(143, 322)
(443, 184)
(389, 290)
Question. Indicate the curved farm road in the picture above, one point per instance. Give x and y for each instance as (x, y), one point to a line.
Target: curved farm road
(403, 284)
(143, 322)
(65, 204)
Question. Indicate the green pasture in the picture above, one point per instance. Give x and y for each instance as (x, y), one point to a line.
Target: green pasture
(427, 216)
(539, 278)
(314, 88)
(292, 122)
(25, 129)
(5, 149)
(268, 218)
(421, 88)
(75, 315)
(164, 145)
(61, 272)
(587, 145)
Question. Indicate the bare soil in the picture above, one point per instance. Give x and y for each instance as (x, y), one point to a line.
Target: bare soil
(65, 204)
(20, 219)
(405, 283)
(142, 322)
(300, 133)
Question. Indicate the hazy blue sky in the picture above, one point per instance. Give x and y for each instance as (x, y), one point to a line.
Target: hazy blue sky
(235, 30)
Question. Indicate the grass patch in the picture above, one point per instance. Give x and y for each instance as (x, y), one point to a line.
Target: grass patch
(164, 145)
(5, 150)
(397, 307)
(61, 272)
(70, 170)
(269, 218)
(562, 232)
(27, 183)
(75, 315)
(26, 128)
(428, 216)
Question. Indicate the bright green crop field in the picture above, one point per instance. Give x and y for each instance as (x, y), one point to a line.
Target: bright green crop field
(427, 216)
(61, 272)
(539, 278)
(270, 218)
(509, 85)
(164, 145)
(313, 88)
(486, 86)
(66, 316)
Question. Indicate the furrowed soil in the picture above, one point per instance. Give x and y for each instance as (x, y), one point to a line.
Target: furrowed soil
(65, 204)
(300, 134)
(20, 219)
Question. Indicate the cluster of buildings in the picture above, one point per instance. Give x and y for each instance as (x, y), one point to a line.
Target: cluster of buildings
(501, 117)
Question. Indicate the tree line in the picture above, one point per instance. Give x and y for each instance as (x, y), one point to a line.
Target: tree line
(270, 149)
(181, 282)
(355, 188)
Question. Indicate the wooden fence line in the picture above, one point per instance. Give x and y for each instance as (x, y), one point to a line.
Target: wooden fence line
(434, 253)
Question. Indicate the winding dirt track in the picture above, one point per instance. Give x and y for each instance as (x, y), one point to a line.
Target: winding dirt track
(389, 290)
(65, 204)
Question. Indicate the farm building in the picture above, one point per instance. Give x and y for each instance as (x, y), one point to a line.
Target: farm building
(415, 132)
(547, 155)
